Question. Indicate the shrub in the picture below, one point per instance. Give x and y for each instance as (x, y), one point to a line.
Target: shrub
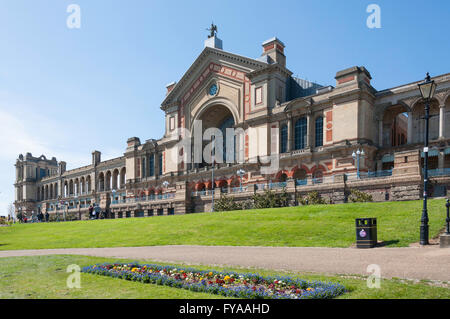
(270, 199)
(312, 198)
(357, 196)
(226, 203)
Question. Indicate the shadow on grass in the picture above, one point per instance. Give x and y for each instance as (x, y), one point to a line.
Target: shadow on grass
(387, 243)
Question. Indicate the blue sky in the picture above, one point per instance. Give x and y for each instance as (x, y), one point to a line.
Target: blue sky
(65, 92)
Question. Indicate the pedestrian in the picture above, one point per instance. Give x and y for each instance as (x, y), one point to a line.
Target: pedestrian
(25, 219)
(91, 210)
(47, 217)
(97, 212)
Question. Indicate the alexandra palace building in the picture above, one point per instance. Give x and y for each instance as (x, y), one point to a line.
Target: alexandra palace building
(329, 139)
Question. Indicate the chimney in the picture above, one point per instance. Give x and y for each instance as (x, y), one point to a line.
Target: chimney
(96, 157)
(62, 167)
(355, 74)
(273, 50)
(170, 87)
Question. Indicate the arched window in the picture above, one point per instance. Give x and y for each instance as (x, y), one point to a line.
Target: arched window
(284, 138)
(319, 131)
(151, 165)
(300, 133)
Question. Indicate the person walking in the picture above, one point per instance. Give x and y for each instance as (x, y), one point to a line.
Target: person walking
(91, 210)
(47, 217)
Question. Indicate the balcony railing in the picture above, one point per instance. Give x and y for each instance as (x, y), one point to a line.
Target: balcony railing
(369, 174)
(438, 172)
(148, 198)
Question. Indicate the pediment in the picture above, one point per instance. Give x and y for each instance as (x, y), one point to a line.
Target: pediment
(210, 62)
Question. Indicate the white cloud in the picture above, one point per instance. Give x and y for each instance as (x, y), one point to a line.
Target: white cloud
(23, 130)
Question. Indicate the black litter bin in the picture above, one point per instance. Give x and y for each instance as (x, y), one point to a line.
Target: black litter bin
(366, 232)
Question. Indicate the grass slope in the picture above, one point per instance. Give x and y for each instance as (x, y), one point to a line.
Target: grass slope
(321, 225)
(45, 277)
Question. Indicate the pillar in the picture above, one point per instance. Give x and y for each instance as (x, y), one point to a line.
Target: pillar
(441, 158)
(380, 133)
(290, 135)
(410, 129)
(441, 121)
(379, 165)
(309, 130)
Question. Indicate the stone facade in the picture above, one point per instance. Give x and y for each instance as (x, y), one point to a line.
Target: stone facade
(309, 130)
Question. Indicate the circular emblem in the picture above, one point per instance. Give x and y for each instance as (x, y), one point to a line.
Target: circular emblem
(213, 89)
(362, 233)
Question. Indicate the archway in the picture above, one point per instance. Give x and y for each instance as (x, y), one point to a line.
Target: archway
(395, 126)
(300, 174)
(222, 118)
(419, 122)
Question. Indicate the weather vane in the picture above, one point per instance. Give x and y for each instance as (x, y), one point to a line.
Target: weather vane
(212, 30)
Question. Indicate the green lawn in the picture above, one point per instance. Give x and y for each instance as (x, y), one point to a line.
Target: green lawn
(45, 277)
(321, 225)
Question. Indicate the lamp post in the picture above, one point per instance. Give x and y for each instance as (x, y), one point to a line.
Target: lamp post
(213, 152)
(241, 174)
(427, 89)
(358, 155)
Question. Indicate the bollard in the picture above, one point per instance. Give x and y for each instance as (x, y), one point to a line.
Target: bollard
(444, 239)
(448, 217)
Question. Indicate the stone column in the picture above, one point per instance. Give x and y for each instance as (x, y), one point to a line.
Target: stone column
(290, 142)
(441, 158)
(441, 121)
(309, 129)
(379, 165)
(410, 124)
(380, 133)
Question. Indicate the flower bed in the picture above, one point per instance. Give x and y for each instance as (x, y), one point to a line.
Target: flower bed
(229, 284)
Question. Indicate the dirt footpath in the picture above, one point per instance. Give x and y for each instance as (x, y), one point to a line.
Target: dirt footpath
(430, 262)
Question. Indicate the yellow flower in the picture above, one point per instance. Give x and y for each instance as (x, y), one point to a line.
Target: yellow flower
(134, 269)
(210, 273)
(309, 289)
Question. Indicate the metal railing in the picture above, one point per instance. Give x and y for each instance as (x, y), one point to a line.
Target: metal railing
(369, 174)
(148, 198)
(438, 172)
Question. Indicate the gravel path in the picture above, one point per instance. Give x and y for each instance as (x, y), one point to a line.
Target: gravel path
(430, 263)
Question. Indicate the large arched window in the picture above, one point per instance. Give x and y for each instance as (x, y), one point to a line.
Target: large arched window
(319, 131)
(300, 133)
(284, 138)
